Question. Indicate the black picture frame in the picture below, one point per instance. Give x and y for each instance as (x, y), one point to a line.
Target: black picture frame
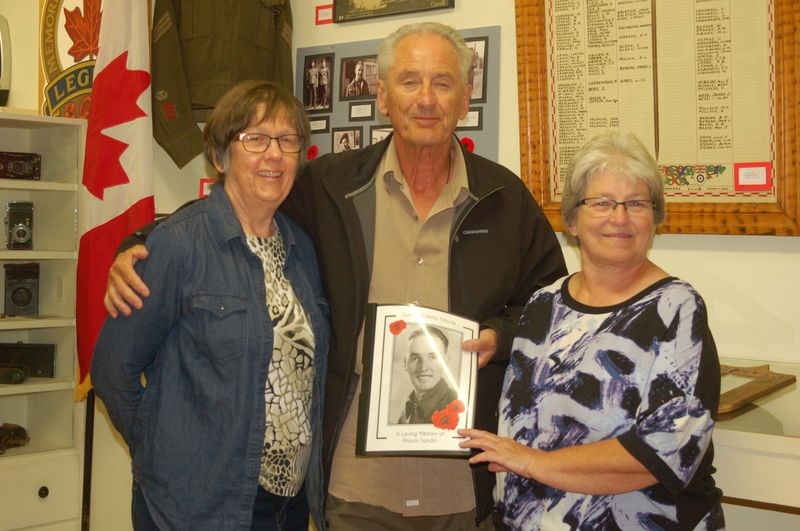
(480, 50)
(379, 132)
(349, 87)
(473, 121)
(347, 10)
(319, 124)
(354, 137)
(318, 99)
(411, 349)
(362, 111)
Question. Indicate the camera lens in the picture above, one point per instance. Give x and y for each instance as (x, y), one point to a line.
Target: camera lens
(21, 297)
(21, 233)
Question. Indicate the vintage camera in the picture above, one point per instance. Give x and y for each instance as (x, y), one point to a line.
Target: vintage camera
(19, 224)
(22, 289)
(38, 360)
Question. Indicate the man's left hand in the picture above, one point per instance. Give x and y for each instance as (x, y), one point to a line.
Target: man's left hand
(485, 346)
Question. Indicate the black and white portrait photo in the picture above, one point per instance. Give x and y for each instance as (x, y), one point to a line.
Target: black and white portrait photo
(424, 374)
(478, 46)
(359, 77)
(345, 139)
(318, 83)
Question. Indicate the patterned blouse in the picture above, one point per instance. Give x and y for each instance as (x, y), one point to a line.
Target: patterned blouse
(645, 372)
(290, 379)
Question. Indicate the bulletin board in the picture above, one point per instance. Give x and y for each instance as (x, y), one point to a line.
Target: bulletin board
(341, 103)
(769, 207)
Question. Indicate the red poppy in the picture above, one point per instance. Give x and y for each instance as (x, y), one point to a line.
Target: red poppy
(445, 419)
(313, 151)
(456, 406)
(396, 327)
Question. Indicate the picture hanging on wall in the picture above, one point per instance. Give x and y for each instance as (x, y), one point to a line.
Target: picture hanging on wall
(478, 45)
(345, 139)
(318, 89)
(319, 124)
(359, 78)
(362, 112)
(346, 10)
(473, 121)
(378, 133)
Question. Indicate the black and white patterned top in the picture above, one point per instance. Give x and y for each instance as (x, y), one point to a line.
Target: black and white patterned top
(645, 372)
(290, 379)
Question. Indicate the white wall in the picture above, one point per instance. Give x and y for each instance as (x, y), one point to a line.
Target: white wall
(750, 282)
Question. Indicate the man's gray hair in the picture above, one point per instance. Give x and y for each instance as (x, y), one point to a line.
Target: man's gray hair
(387, 47)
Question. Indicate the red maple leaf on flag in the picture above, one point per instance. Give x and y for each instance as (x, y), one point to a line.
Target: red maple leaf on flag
(114, 93)
(84, 30)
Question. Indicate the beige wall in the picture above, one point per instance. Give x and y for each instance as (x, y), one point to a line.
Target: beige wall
(749, 282)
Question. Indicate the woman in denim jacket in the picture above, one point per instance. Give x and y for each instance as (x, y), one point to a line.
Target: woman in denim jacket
(217, 384)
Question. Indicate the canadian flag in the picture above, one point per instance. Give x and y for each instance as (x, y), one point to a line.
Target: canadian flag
(116, 196)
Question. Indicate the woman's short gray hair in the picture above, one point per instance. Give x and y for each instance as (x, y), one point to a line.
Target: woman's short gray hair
(623, 154)
(388, 45)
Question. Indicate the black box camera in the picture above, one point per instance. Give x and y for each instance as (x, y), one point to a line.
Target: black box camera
(37, 359)
(19, 224)
(22, 289)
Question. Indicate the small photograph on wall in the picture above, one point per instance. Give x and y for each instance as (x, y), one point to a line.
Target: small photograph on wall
(318, 83)
(378, 133)
(345, 10)
(345, 139)
(359, 77)
(478, 46)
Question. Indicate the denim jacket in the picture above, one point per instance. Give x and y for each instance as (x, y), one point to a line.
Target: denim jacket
(203, 341)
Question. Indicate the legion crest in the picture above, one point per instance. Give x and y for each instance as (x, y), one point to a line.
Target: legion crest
(70, 33)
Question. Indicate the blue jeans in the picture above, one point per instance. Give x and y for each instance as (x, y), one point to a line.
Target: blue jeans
(280, 513)
(270, 512)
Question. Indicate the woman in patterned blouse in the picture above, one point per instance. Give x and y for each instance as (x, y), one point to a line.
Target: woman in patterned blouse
(611, 393)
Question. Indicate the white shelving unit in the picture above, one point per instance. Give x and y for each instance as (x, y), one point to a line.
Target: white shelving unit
(41, 481)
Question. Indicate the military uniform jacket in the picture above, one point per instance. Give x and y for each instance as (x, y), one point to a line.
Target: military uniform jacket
(200, 50)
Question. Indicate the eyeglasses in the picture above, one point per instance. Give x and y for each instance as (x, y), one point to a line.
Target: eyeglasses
(258, 143)
(603, 206)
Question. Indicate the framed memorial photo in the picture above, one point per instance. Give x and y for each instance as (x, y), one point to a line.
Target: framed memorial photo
(418, 386)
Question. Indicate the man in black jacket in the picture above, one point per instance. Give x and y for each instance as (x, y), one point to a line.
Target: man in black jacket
(414, 218)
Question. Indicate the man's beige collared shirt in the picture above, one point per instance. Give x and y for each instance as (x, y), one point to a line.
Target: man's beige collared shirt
(410, 265)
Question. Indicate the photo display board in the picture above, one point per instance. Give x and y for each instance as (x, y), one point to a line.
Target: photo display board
(338, 83)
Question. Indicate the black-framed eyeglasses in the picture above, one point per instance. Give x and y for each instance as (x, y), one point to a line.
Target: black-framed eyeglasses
(259, 143)
(603, 206)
